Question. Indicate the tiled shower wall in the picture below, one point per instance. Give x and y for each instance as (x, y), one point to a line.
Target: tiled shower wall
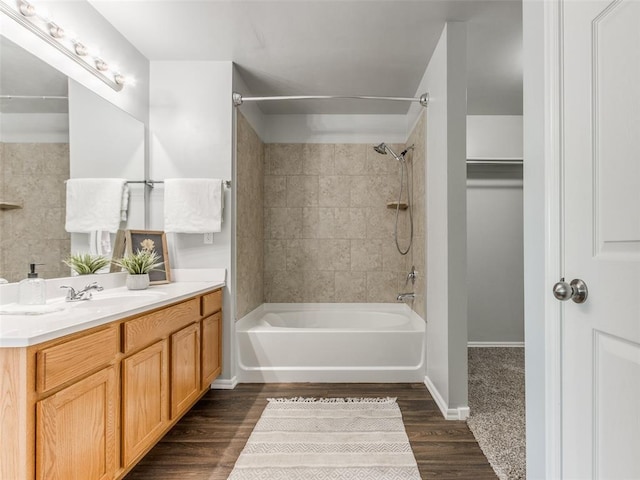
(250, 227)
(417, 254)
(33, 175)
(328, 235)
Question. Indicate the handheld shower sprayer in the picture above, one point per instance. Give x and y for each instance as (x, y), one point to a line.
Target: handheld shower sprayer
(383, 149)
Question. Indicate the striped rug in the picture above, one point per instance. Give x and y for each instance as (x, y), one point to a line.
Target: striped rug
(331, 438)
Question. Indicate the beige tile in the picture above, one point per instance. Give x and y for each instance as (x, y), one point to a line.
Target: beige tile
(381, 222)
(275, 254)
(333, 254)
(377, 164)
(350, 159)
(286, 287)
(302, 191)
(284, 158)
(385, 189)
(302, 254)
(275, 191)
(366, 255)
(392, 261)
(56, 159)
(318, 222)
(382, 287)
(318, 159)
(351, 287)
(350, 223)
(361, 195)
(284, 222)
(334, 191)
(319, 287)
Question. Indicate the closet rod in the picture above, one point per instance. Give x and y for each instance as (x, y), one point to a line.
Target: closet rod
(238, 99)
(494, 162)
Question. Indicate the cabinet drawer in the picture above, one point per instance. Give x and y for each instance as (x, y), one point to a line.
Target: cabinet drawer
(147, 329)
(66, 361)
(211, 303)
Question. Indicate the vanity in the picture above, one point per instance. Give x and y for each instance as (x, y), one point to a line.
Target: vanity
(87, 391)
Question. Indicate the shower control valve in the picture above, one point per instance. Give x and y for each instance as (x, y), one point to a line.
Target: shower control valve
(412, 275)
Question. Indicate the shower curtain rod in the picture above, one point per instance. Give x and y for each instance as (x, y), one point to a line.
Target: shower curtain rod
(33, 97)
(238, 99)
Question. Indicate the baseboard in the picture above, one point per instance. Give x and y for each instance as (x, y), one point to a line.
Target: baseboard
(495, 344)
(224, 384)
(460, 413)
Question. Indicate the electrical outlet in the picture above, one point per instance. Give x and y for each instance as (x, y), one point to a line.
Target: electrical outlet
(208, 238)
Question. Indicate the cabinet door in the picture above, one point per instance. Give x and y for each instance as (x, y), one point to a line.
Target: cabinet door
(211, 358)
(185, 368)
(76, 430)
(145, 401)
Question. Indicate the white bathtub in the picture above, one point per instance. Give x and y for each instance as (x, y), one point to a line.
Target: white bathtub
(329, 342)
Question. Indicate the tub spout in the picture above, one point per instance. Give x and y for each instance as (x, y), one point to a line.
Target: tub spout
(405, 296)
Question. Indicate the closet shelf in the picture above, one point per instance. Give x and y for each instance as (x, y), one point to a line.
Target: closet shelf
(394, 205)
(9, 205)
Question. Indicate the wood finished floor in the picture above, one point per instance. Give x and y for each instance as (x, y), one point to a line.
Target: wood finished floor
(205, 444)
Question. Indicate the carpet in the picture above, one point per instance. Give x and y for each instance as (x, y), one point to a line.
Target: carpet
(496, 401)
(306, 438)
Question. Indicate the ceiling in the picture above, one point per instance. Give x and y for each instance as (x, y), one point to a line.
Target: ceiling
(321, 47)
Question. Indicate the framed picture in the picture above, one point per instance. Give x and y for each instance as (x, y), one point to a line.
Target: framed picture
(153, 240)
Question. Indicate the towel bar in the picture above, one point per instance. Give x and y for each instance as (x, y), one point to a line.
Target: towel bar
(151, 183)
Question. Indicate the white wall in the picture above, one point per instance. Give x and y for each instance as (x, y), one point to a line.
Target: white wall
(541, 263)
(336, 129)
(34, 127)
(191, 136)
(93, 29)
(446, 294)
(494, 136)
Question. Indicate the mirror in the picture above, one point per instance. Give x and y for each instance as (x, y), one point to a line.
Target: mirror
(71, 132)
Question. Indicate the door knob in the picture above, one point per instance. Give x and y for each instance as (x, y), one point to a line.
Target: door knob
(576, 290)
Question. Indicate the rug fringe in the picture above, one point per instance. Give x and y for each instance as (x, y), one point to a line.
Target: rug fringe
(332, 400)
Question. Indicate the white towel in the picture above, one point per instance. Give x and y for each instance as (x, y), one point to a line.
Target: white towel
(95, 204)
(193, 205)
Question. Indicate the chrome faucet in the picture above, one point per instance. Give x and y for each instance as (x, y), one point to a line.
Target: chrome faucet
(405, 296)
(74, 295)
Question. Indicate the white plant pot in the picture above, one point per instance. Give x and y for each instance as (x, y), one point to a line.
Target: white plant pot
(138, 282)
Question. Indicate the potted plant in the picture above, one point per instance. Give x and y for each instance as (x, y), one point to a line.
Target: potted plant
(85, 263)
(138, 265)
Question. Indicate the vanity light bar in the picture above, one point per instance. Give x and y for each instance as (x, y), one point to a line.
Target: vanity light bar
(56, 36)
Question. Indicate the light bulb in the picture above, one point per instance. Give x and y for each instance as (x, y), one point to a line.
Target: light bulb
(119, 78)
(101, 65)
(27, 9)
(80, 49)
(56, 31)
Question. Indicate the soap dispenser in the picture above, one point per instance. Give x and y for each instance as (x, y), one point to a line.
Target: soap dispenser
(32, 290)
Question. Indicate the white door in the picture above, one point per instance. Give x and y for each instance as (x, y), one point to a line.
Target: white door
(600, 99)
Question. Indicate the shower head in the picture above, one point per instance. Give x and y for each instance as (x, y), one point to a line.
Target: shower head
(383, 149)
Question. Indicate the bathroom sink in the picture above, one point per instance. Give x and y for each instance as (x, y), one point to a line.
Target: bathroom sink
(16, 309)
(123, 297)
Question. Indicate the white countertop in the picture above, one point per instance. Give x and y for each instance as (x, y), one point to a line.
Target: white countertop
(106, 306)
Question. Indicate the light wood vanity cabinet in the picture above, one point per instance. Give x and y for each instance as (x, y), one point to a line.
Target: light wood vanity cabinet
(145, 394)
(88, 406)
(76, 430)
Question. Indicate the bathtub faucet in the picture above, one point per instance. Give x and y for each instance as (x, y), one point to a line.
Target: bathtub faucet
(405, 296)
